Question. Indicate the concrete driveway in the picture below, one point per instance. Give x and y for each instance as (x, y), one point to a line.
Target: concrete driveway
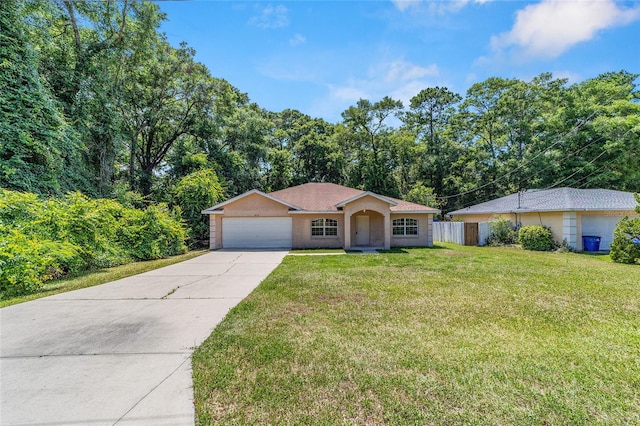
(120, 353)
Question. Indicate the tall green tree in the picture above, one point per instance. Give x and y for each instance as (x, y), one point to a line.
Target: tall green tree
(166, 95)
(432, 110)
(367, 131)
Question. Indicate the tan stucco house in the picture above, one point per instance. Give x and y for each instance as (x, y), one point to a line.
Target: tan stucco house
(570, 213)
(319, 215)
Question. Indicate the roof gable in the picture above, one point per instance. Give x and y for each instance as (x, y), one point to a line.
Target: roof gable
(367, 194)
(217, 207)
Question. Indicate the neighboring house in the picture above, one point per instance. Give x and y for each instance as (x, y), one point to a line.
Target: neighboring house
(319, 215)
(570, 213)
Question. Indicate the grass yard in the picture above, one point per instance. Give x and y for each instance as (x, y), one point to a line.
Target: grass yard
(449, 335)
(100, 276)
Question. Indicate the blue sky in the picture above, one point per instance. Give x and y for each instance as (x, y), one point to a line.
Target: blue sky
(320, 57)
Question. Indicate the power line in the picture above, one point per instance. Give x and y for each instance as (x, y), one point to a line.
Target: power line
(563, 179)
(573, 131)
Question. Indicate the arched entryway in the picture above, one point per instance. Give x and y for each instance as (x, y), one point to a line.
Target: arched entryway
(367, 229)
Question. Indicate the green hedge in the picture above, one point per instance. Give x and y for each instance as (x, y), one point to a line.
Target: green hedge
(44, 239)
(538, 238)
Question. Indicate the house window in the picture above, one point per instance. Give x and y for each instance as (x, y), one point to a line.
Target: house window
(324, 228)
(405, 227)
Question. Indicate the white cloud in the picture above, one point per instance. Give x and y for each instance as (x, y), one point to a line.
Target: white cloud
(297, 40)
(550, 28)
(271, 17)
(403, 5)
(348, 93)
(400, 70)
(435, 6)
(398, 78)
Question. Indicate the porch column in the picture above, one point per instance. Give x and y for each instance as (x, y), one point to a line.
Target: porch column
(212, 232)
(347, 230)
(569, 229)
(387, 230)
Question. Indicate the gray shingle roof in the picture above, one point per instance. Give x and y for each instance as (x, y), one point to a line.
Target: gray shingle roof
(556, 199)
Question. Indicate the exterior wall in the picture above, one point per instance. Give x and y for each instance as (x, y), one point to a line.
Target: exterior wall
(553, 220)
(425, 231)
(302, 232)
(563, 224)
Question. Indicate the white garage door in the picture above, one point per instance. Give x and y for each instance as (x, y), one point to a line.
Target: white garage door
(256, 232)
(600, 226)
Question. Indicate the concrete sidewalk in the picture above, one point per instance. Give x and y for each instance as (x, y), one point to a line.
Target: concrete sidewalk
(119, 353)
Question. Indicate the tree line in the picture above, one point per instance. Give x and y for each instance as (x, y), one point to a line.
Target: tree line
(93, 98)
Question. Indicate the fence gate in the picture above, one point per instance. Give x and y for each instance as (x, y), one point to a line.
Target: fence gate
(471, 234)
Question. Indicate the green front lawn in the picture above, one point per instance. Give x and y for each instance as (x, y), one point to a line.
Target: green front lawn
(450, 335)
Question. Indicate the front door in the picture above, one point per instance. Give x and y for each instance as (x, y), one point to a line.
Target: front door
(362, 230)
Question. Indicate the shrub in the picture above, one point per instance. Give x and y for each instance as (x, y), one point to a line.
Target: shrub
(45, 239)
(152, 233)
(625, 247)
(502, 232)
(538, 238)
(27, 263)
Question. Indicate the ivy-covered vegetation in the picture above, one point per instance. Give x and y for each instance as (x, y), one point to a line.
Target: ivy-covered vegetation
(42, 239)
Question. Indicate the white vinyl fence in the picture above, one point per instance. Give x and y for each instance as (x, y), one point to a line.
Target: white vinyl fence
(483, 233)
(453, 232)
(448, 232)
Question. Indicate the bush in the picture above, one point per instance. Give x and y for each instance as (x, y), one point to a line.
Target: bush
(153, 233)
(502, 232)
(625, 247)
(42, 240)
(26, 263)
(538, 238)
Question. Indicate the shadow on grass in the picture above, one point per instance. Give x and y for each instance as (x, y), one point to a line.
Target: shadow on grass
(403, 250)
(394, 250)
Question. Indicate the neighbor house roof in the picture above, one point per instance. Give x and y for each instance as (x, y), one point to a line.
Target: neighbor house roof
(326, 197)
(556, 199)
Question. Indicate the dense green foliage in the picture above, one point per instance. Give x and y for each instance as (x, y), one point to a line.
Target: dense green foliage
(194, 193)
(42, 239)
(625, 247)
(95, 99)
(536, 237)
(501, 232)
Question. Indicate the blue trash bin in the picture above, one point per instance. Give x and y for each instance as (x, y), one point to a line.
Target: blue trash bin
(591, 243)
